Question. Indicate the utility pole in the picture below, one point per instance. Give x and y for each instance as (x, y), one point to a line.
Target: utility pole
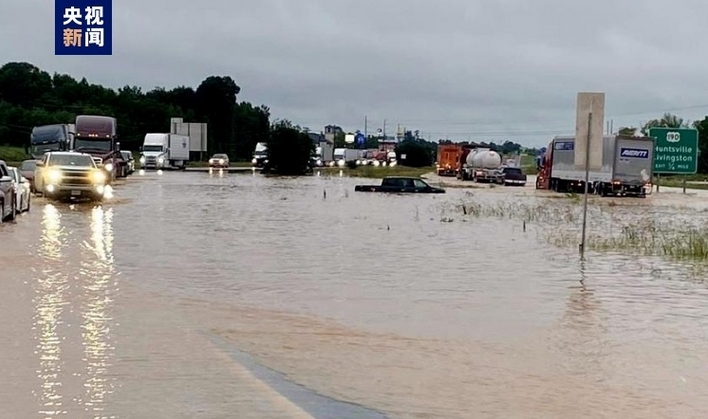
(384, 129)
(587, 179)
(366, 132)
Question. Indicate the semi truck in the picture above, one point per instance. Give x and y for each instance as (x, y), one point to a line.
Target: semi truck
(165, 151)
(260, 155)
(448, 159)
(324, 154)
(481, 165)
(345, 155)
(627, 167)
(56, 137)
(97, 135)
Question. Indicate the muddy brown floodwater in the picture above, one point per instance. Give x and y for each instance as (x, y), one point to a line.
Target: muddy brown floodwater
(171, 299)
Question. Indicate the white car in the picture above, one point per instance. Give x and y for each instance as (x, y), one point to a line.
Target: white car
(22, 190)
(219, 160)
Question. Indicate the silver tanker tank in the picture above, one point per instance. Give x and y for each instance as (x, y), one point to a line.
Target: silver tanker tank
(484, 158)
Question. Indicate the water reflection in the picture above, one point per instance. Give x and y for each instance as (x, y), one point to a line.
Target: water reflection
(49, 302)
(99, 285)
(584, 343)
(220, 172)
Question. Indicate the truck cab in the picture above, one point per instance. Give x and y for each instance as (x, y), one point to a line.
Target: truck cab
(96, 135)
(339, 156)
(153, 151)
(260, 155)
(45, 138)
(448, 157)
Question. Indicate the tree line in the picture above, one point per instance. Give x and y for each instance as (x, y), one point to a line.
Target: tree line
(30, 97)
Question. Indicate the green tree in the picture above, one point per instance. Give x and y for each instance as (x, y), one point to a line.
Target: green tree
(627, 131)
(417, 153)
(216, 102)
(668, 120)
(702, 127)
(31, 97)
(289, 150)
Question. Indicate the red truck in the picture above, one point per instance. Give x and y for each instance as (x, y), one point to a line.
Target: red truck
(96, 135)
(448, 159)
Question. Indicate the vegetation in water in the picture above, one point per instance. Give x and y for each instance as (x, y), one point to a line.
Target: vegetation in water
(383, 171)
(612, 228)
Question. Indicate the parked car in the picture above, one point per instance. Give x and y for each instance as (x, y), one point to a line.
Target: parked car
(8, 196)
(22, 190)
(513, 176)
(128, 156)
(27, 170)
(69, 174)
(219, 160)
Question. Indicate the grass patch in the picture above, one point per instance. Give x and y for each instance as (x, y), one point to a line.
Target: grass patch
(542, 212)
(12, 154)
(529, 169)
(380, 172)
(678, 183)
(613, 231)
(649, 239)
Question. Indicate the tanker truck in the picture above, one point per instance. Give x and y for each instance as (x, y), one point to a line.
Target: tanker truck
(481, 165)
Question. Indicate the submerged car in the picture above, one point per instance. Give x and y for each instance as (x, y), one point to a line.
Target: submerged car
(400, 184)
(513, 176)
(219, 160)
(70, 174)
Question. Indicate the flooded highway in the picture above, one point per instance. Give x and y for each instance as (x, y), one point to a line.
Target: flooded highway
(210, 295)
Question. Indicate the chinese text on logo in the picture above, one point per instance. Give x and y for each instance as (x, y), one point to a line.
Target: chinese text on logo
(83, 27)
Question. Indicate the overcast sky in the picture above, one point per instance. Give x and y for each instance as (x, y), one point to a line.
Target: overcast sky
(459, 69)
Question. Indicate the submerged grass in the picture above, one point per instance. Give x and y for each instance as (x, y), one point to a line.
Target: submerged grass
(611, 230)
(380, 172)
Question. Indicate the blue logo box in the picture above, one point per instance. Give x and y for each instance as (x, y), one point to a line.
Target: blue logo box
(83, 27)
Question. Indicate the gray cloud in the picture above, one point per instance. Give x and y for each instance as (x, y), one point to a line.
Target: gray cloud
(461, 69)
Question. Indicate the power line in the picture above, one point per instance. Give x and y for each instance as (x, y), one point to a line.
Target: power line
(487, 121)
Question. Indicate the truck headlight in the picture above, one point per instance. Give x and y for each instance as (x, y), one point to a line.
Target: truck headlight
(254, 161)
(109, 167)
(160, 159)
(98, 176)
(54, 175)
(142, 159)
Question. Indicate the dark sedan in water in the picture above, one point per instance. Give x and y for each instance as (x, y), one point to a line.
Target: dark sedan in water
(27, 170)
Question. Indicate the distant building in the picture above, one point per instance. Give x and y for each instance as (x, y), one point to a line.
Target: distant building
(331, 131)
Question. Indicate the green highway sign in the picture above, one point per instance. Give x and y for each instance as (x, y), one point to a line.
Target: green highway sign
(675, 150)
